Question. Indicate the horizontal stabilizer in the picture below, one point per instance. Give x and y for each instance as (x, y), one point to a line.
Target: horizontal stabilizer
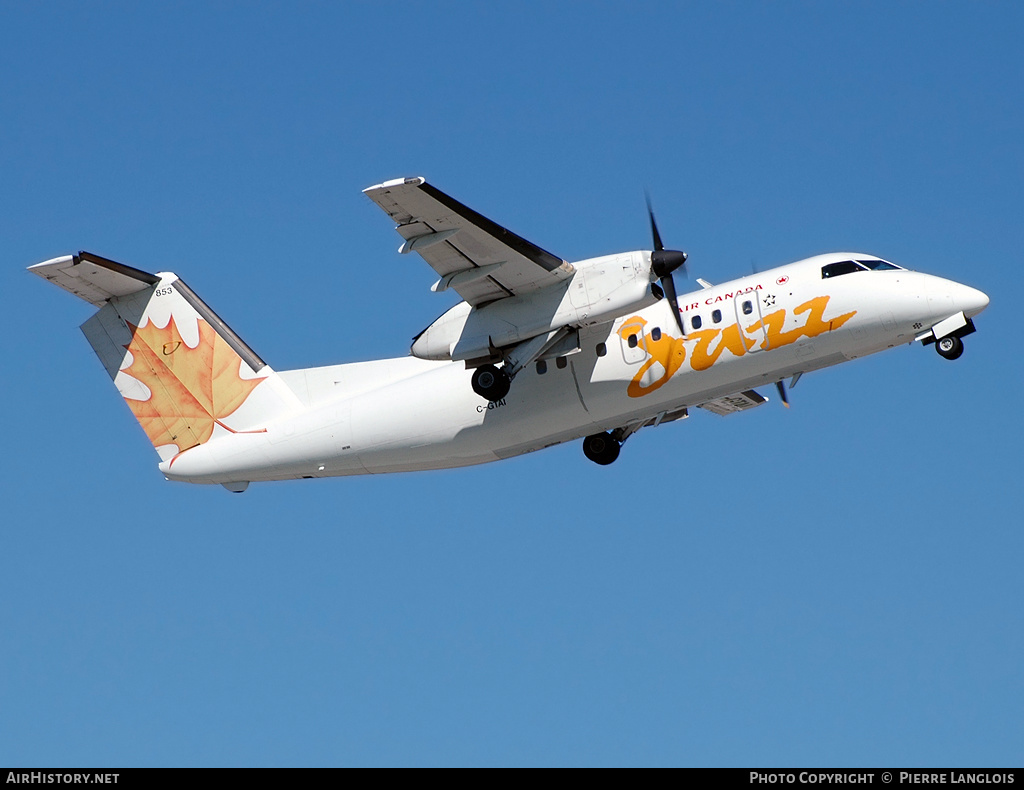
(731, 404)
(92, 278)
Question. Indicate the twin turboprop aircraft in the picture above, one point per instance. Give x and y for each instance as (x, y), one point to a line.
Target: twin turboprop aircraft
(538, 352)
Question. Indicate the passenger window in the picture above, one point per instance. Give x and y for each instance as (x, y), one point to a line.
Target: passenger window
(602, 349)
(716, 316)
(843, 267)
(748, 308)
(632, 341)
(695, 322)
(542, 367)
(561, 362)
(656, 333)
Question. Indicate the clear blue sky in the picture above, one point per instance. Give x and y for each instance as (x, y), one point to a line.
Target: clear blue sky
(837, 584)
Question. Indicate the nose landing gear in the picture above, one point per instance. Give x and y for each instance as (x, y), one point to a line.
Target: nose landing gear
(601, 448)
(949, 347)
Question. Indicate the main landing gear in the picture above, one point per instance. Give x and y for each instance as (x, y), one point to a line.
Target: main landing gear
(949, 347)
(491, 383)
(601, 448)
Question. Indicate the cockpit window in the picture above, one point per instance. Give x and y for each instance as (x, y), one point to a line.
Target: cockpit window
(843, 267)
(875, 264)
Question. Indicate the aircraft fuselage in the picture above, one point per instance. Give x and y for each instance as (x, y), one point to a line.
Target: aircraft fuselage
(409, 414)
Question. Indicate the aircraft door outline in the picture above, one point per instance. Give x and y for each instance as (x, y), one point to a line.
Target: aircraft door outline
(633, 342)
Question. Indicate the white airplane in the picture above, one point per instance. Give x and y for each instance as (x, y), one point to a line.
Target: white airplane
(538, 352)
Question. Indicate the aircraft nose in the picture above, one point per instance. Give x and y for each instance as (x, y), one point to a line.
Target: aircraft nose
(970, 300)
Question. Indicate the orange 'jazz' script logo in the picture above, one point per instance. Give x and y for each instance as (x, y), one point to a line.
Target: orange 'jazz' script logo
(192, 389)
(670, 352)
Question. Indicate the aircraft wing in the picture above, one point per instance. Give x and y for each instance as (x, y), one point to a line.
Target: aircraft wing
(476, 257)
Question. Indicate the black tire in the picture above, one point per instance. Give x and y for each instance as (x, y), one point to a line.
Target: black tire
(491, 383)
(949, 347)
(601, 448)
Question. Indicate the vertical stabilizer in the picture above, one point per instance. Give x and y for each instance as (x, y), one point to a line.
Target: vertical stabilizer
(185, 375)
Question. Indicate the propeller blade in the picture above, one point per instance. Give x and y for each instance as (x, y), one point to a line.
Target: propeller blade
(663, 263)
(781, 387)
(669, 286)
(654, 225)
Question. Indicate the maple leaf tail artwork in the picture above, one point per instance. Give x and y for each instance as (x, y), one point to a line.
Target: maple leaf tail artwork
(192, 389)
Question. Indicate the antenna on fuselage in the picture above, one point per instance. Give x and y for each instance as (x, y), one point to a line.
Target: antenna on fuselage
(780, 385)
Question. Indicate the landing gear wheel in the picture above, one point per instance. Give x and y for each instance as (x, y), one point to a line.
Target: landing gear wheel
(491, 383)
(949, 347)
(601, 448)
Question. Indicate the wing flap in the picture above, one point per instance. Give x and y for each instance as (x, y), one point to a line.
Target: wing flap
(730, 404)
(453, 238)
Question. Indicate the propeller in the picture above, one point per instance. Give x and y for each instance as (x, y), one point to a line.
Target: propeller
(663, 263)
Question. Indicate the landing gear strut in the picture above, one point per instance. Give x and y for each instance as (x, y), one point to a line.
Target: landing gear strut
(950, 347)
(601, 448)
(491, 383)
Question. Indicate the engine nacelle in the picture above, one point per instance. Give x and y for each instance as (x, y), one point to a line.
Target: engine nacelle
(602, 289)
